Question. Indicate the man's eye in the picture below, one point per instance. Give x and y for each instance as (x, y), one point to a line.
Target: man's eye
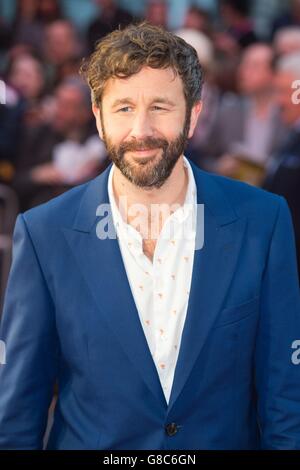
(125, 109)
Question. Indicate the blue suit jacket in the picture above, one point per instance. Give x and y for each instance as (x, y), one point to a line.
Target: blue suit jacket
(69, 316)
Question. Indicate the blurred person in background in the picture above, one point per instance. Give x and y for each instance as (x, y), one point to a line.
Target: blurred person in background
(157, 13)
(63, 153)
(198, 146)
(11, 122)
(5, 34)
(249, 124)
(291, 17)
(238, 31)
(287, 40)
(198, 19)
(25, 87)
(234, 31)
(111, 16)
(62, 47)
(26, 75)
(283, 176)
(30, 19)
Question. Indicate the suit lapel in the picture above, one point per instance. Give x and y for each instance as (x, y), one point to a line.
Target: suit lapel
(100, 262)
(213, 269)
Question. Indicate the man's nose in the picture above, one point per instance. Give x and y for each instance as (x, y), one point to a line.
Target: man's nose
(141, 126)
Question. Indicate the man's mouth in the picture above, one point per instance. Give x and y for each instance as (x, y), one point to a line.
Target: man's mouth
(144, 152)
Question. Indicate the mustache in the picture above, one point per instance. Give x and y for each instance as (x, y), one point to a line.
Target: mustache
(148, 143)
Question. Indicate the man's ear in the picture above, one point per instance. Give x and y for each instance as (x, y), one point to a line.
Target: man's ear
(196, 110)
(97, 114)
(95, 109)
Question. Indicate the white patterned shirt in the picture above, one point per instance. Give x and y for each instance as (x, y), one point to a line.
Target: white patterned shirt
(161, 288)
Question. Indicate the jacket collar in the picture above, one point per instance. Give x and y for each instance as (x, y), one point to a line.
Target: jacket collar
(209, 192)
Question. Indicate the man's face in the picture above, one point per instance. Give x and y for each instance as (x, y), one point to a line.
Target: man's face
(290, 112)
(145, 124)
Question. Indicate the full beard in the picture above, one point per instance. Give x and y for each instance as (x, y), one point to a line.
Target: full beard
(151, 171)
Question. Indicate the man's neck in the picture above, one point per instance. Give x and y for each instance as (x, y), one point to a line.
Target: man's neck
(171, 193)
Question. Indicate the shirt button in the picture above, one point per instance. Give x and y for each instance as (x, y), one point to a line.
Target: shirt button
(171, 429)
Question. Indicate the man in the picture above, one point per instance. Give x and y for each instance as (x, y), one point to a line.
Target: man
(156, 341)
(283, 176)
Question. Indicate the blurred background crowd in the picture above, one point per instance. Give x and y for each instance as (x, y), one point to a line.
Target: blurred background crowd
(249, 128)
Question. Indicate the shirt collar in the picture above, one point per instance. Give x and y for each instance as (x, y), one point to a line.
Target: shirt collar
(179, 215)
(188, 206)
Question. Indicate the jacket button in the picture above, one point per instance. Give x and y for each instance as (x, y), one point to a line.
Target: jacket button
(171, 429)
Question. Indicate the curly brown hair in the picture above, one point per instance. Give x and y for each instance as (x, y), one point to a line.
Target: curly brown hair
(124, 52)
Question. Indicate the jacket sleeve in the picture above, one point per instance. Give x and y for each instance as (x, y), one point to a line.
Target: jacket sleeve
(27, 330)
(277, 374)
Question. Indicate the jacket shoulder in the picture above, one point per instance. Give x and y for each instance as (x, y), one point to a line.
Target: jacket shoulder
(60, 210)
(245, 199)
